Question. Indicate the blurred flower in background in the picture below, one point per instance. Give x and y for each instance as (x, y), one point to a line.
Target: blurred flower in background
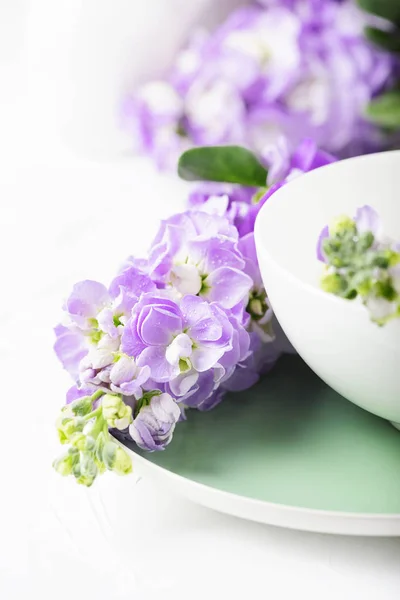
(292, 68)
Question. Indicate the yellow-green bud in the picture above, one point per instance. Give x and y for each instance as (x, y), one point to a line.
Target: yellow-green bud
(82, 406)
(340, 224)
(67, 427)
(256, 307)
(123, 463)
(116, 459)
(63, 465)
(78, 440)
(88, 470)
(116, 412)
(332, 283)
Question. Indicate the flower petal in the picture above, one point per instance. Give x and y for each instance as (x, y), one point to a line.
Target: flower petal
(205, 358)
(161, 369)
(227, 286)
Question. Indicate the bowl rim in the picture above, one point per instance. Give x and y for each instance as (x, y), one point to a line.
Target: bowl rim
(261, 248)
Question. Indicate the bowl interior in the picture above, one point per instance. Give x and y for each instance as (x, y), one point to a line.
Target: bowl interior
(289, 223)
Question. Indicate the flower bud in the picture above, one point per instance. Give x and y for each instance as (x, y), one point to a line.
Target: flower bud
(116, 459)
(67, 427)
(88, 470)
(82, 406)
(123, 463)
(63, 465)
(334, 284)
(341, 224)
(256, 307)
(116, 412)
(78, 440)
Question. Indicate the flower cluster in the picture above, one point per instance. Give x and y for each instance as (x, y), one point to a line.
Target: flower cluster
(288, 67)
(362, 262)
(175, 330)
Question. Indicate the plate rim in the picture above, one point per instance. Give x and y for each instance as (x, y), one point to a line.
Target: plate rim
(280, 515)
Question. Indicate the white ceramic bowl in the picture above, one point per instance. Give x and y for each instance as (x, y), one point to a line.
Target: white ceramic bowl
(335, 337)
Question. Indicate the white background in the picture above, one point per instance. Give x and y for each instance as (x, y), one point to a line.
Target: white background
(62, 219)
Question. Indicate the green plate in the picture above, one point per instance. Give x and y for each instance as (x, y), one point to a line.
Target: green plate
(290, 452)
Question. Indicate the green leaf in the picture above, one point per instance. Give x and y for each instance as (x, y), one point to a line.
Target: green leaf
(388, 40)
(385, 110)
(230, 164)
(388, 9)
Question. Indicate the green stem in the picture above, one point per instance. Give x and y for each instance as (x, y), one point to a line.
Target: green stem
(98, 410)
(97, 395)
(93, 414)
(105, 431)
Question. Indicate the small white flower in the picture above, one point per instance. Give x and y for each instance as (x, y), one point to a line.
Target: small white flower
(186, 279)
(180, 348)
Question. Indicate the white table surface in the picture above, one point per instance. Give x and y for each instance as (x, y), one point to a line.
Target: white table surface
(123, 538)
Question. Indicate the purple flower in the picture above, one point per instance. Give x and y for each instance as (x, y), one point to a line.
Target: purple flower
(154, 426)
(259, 51)
(203, 394)
(107, 368)
(206, 392)
(155, 119)
(260, 360)
(127, 378)
(94, 310)
(124, 292)
(85, 302)
(89, 347)
(234, 202)
(306, 157)
(70, 348)
(282, 69)
(177, 341)
(196, 253)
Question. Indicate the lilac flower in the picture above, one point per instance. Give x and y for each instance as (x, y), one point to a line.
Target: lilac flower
(197, 253)
(261, 358)
(206, 392)
(235, 202)
(336, 57)
(177, 341)
(70, 348)
(127, 378)
(92, 309)
(259, 51)
(85, 302)
(153, 427)
(154, 117)
(306, 157)
(105, 367)
(282, 69)
(203, 395)
(124, 292)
